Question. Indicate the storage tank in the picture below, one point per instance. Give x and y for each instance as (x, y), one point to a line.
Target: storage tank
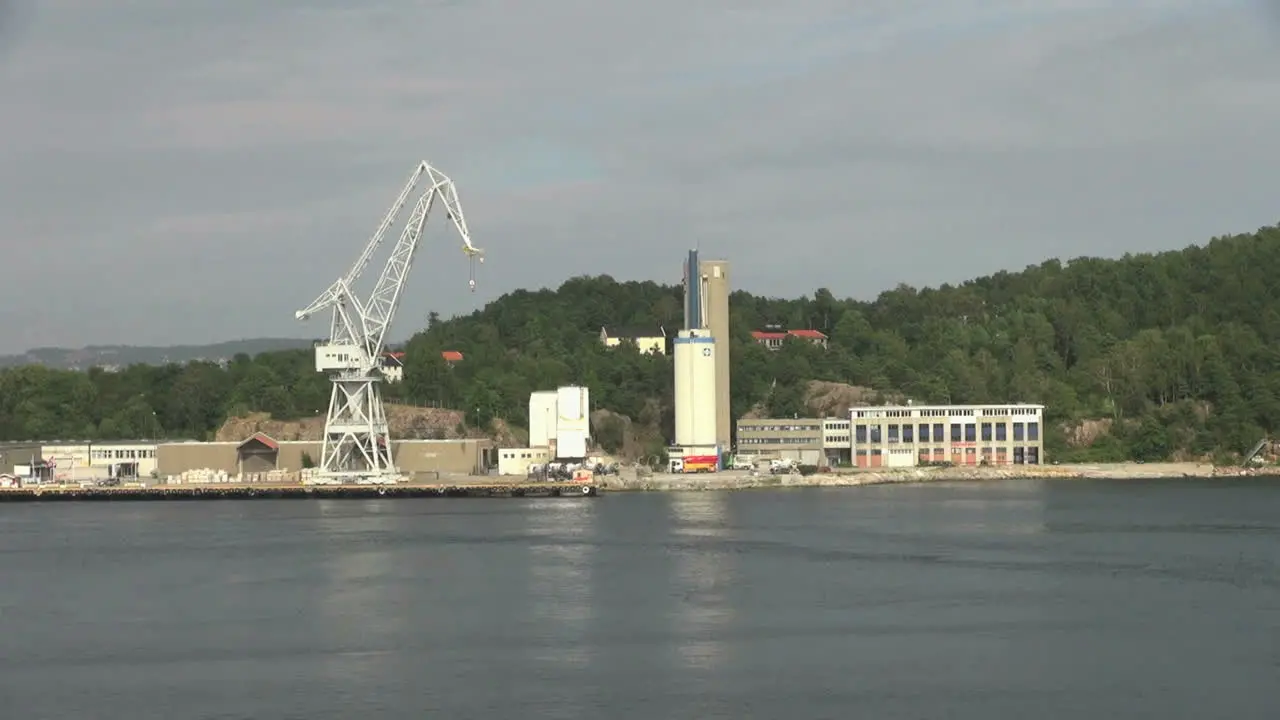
(695, 388)
(542, 417)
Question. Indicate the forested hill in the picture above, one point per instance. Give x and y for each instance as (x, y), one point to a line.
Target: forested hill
(1145, 356)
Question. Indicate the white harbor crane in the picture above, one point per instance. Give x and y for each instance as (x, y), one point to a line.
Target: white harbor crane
(357, 443)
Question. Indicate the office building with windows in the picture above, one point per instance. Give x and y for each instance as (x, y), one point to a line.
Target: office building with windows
(911, 435)
(808, 441)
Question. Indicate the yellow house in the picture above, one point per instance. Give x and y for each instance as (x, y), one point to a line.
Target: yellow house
(650, 340)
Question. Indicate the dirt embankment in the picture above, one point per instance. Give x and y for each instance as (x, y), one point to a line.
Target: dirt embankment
(407, 422)
(833, 399)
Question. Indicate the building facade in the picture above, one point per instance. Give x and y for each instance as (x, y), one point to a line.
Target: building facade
(18, 458)
(560, 421)
(393, 367)
(260, 454)
(837, 441)
(796, 439)
(516, 461)
(542, 417)
(75, 461)
(573, 422)
(910, 435)
(649, 340)
(774, 338)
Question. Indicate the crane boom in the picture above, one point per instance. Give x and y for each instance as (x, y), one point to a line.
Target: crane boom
(385, 298)
(356, 442)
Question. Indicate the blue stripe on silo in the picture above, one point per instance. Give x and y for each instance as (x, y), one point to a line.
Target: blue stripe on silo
(693, 293)
(683, 340)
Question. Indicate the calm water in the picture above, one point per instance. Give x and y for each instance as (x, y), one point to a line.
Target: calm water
(1022, 599)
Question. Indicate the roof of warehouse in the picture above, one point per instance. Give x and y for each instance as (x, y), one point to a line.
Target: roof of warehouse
(809, 334)
(263, 439)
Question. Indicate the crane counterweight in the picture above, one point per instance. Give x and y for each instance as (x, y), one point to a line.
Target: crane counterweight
(357, 442)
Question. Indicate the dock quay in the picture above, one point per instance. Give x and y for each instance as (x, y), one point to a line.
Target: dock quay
(236, 491)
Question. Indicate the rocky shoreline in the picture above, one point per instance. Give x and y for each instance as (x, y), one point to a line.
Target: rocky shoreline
(737, 480)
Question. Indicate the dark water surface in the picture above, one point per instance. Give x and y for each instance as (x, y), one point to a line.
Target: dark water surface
(1028, 599)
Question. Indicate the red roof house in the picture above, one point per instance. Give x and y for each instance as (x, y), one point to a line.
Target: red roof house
(773, 339)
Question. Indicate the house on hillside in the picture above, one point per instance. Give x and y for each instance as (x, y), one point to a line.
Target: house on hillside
(652, 340)
(774, 337)
(393, 366)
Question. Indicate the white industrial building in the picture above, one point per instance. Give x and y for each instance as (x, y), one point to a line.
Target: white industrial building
(542, 417)
(77, 461)
(907, 435)
(516, 461)
(559, 429)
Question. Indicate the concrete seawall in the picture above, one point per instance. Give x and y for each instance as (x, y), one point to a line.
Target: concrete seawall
(738, 480)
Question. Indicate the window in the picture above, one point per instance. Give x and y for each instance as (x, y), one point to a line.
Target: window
(893, 433)
(1002, 431)
(986, 432)
(860, 434)
(1033, 431)
(875, 433)
(907, 433)
(969, 433)
(1017, 431)
(924, 432)
(955, 432)
(937, 432)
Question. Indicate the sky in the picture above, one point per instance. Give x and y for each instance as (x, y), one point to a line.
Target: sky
(197, 171)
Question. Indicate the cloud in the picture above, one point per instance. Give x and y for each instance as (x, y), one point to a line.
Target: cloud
(226, 160)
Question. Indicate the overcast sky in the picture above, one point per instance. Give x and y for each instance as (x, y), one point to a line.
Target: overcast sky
(195, 171)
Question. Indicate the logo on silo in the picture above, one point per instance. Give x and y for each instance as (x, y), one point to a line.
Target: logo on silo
(706, 352)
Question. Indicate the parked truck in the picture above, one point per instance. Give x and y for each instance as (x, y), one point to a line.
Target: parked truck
(700, 463)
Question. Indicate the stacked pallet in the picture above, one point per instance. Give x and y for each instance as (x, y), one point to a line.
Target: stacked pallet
(203, 476)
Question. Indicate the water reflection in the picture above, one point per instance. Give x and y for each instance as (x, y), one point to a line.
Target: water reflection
(1007, 508)
(362, 617)
(703, 572)
(561, 599)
